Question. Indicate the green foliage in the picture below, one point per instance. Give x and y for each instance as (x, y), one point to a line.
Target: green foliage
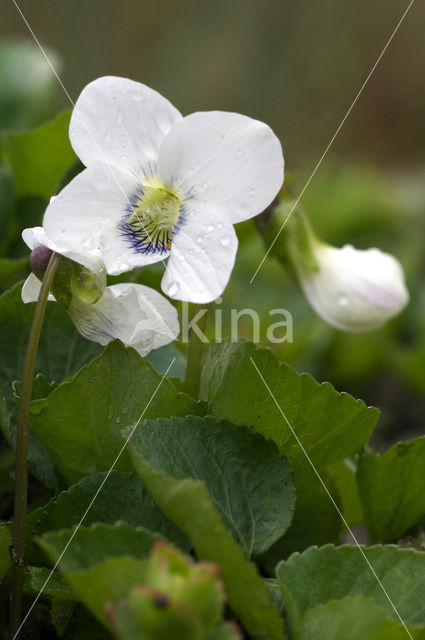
(62, 350)
(248, 479)
(81, 421)
(329, 425)
(392, 489)
(320, 575)
(122, 498)
(38, 158)
(352, 618)
(188, 504)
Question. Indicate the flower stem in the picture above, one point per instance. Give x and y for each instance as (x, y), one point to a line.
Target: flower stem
(21, 466)
(194, 352)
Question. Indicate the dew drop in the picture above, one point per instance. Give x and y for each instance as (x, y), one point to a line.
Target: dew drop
(88, 243)
(199, 239)
(239, 151)
(253, 191)
(173, 288)
(210, 228)
(104, 243)
(343, 300)
(225, 241)
(219, 226)
(204, 185)
(181, 256)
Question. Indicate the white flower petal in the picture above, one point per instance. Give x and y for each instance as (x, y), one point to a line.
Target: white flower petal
(83, 219)
(31, 290)
(355, 290)
(121, 122)
(138, 316)
(36, 237)
(202, 257)
(231, 161)
(119, 256)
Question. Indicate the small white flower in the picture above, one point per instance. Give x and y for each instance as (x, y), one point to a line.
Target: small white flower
(135, 314)
(159, 185)
(354, 290)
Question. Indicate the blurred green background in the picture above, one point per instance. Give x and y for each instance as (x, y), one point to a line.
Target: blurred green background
(297, 66)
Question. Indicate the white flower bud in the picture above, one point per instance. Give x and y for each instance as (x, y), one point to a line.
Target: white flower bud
(354, 290)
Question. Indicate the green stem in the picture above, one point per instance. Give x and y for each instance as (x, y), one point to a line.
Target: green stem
(194, 353)
(21, 467)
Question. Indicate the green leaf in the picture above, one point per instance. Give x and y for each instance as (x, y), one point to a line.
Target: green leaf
(187, 503)
(12, 270)
(330, 425)
(92, 545)
(102, 563)
(331, 573)
(81, 422)
(344, 476)
(248, 479)
(5, 542)
(122, 498)
(62, 350)
(61, 613)
(35, 581)
(40, 462)
(316, 521)
(392, 489)
(227, 631)
(352, 618)
(38, 158)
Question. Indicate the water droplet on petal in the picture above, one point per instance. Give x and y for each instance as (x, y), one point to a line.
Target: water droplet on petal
(210, 228)
(104, 243)
(225, 241)
(343, 300)
(88, 243)
(123, 156)
(219, 226)
(137, 97)
(204, 185)
(181, 256)
(239, 151)
(253, 191)
(199, 239)
(173, 288)
(120, 117)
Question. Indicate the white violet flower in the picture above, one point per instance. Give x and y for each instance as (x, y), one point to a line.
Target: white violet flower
(160, 185)
(135, 314)
(354, 290)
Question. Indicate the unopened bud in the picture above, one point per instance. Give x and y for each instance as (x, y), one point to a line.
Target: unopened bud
(39, 259)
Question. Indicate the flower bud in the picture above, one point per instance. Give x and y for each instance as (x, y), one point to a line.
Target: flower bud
(354, 290)
(39, 259)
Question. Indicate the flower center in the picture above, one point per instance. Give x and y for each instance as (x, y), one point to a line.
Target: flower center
(153, 216)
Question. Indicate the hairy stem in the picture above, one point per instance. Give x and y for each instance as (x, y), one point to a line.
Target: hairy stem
(194, 352)
(21, 466)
